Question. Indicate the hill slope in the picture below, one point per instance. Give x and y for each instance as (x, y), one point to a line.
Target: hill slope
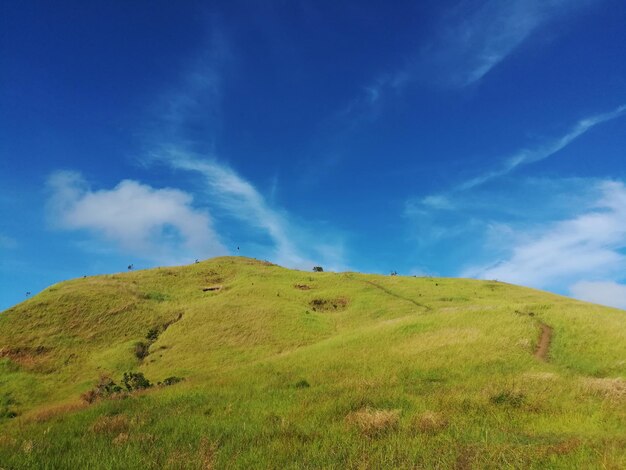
(288, 369)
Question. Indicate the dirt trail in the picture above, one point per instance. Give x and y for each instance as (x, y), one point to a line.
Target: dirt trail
(387, 291)
(543, 348)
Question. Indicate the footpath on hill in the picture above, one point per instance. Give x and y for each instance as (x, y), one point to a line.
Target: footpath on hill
(543, 348)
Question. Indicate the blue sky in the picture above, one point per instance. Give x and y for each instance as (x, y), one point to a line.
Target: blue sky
(452, 138)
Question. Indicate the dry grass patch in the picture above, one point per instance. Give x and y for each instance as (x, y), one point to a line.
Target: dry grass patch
(28, 357)
(7, 441)
(122, 438)
(111, 424)
(541, 375)
(207, 452)
(607, 387)
(44, 414)
(429, 422)
(565, 447)
(372, 422)
(27, 446)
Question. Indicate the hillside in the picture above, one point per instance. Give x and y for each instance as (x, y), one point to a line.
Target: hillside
(290, 369)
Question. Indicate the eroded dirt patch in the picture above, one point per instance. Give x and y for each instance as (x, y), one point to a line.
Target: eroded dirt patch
(25, 356)
(216, 288)
(325, 305)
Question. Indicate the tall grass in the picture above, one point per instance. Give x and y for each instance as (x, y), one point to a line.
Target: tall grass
(401, 373)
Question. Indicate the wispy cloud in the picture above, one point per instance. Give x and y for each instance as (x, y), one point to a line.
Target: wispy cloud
(471, 39)
(186, 137)
(190, 113)
(526, 156)
(7, 243)
(371, 97)
(445, 200)
(160, 225)
(293, 245)
(240, 199)
(587, 246)
(481, 34)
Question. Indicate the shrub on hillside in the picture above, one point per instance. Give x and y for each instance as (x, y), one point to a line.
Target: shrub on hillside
(171, 381)
(105, 388)
(318, 269)
(135, 381)
(302, 384)
(141, 350)
(153, 334)
(511, 398)
(156, 296)
(6, 406)
(132, 381)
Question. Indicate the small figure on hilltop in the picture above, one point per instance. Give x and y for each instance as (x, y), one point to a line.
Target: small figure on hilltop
(318, 269)
(197, 261)
(131, 267)
(394, 273)
(28, 294)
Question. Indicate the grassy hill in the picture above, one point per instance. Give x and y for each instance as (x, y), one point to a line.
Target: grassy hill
(289, 369)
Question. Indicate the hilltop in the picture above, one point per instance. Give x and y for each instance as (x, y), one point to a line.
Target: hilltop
(262, 366)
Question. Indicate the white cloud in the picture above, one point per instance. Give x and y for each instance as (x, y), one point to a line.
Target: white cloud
(156, 224)
(608, 293)
(586, 246)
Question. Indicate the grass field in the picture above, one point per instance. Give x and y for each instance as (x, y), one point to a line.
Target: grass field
(289, 369)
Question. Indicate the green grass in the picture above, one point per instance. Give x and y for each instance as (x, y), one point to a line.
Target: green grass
(289, 369)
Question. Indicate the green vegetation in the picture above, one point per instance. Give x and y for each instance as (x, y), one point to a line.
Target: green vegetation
(289, 369)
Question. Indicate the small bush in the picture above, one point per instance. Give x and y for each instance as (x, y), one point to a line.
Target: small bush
(141, 350)
(156, 296)
(103, 389)
(153, 334)
(89, 396)
(171, 381)
(6, 406)
(318, 269)
(302, 384)
(135, 381)
(107, 388)
(372, 423)
(511, 398)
